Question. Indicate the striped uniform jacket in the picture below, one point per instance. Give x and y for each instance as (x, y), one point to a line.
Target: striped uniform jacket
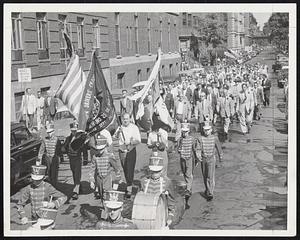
(36, 195)
(208, 145)
(186, 147)
(50, 146)
(161, 185)
(103, 164)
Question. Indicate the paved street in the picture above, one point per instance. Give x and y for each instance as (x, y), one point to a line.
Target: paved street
(249, 193)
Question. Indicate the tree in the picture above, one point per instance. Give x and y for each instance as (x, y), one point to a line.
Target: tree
(278, 29)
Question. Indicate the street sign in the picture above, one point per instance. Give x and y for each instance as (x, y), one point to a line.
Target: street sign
(24, 74)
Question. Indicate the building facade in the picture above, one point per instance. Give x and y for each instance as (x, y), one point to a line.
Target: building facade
(38, 44)
(236, 30)
(134, 41)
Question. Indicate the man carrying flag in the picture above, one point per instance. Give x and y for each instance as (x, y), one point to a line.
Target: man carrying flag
(87, 98)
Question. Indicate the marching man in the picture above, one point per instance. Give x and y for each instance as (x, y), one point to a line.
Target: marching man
(206, 154)
(158, 183)
(114, 206)
(187, 151)
(40, 194)
(103, 164)
(225, 107)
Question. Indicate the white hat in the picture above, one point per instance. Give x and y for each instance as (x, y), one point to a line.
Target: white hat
(113, 199)
(156, 163)
(185, 127)
(206, 126)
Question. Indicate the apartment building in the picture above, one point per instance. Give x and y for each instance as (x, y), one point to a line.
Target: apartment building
(134, 41)
(37, 44)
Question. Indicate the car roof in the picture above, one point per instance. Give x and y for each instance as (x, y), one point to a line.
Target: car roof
(15, 125)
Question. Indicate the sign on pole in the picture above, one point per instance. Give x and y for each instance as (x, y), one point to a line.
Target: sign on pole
(24, 74)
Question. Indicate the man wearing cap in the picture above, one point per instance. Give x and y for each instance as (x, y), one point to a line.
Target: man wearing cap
(206, 148)
(158, 142)
(103, 165)
(75, 159)
(51, 150)
(204, 110)
(213, 100)
(41, 194)
(225, 107)
(158, 183)
(114, 206)
(187, 150)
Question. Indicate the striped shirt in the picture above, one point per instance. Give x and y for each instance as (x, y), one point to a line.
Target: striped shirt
(186, 147)
(208, 145)
(50, 146)
(102, 164)
(37, 195)
(152, 186)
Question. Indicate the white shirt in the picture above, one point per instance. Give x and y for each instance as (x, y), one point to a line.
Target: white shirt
(131, 132)
(179, 109)
(107, 134)
(152, 138)
(40, 102)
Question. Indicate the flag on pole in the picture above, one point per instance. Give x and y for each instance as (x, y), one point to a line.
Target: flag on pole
(71, 89)
(98, 111)
(150, 101)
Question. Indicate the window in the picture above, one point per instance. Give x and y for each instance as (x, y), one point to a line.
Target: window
(44, 91)
(80, 37)
(177, 68)
(127, 37)
(171, 69)
(16, 37)
(148, 72)
(169, 33)
(21, 135)
(42, 33)
(96, 31)
(139, 75)
(175, 33)
(184, 19)
(189, 19)
(149, 34)
(62, 26)
(120, 80)
(163, 70)
(160, 32)
(117, 33)
(136, 36)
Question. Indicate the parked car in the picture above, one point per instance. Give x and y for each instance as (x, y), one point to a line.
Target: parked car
(24, 148)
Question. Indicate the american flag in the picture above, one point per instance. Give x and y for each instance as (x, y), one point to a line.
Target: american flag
(71, 89)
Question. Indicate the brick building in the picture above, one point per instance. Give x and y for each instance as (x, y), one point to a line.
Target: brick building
(37, 43)
(134, 40)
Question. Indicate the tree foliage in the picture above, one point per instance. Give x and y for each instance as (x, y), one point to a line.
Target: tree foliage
(278, 29)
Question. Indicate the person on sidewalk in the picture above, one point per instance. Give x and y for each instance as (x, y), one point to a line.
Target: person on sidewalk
(102, 168)
(245, 108)
(114, 206)
(40, 194)
(28, 107)
(266, 83)
(126, 105)
(75, 159)
(159, 183)
(258, 100)
(129, 137)
(50, 107)
(206, 154)
(187, 150)
(50, 150)
(40, 101)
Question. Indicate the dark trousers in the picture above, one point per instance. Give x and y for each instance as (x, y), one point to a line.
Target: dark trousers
(267, 98)
(52, 166)
(128, 161)
(85, 153)
(75, 165)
